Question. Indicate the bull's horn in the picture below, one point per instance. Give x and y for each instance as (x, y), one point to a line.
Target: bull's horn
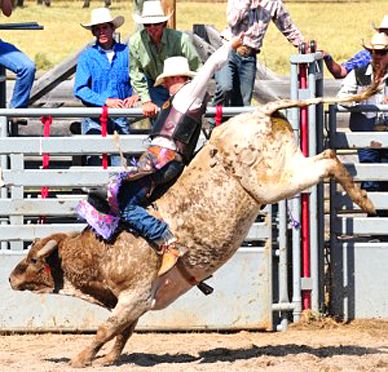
(47, 248)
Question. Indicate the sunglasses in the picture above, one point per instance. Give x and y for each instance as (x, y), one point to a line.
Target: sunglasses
(154, 24)
(380, 52)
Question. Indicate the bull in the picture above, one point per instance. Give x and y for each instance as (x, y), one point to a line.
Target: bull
(250, 161)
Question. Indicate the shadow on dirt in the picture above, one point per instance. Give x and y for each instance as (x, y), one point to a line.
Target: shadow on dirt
(232, 355)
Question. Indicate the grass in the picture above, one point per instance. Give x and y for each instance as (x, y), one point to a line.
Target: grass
(338, 27)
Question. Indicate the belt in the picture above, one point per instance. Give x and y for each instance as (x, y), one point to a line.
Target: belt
(245, 51)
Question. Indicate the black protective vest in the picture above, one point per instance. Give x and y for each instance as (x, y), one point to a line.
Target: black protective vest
(365, 80)
(362, 79)
(183, 129)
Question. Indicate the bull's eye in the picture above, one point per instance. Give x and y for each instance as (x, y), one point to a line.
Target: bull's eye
(34, 260)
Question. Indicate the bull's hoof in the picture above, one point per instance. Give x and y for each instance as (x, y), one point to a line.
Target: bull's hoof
(80, 362)
(108, 360)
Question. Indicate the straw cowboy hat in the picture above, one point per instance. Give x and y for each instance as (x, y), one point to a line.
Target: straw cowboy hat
(379, 41)
(152, 13)
(383, 26)
(102, 15)
(174, 66)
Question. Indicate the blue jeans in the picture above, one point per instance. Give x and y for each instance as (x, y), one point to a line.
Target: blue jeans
(134, 196)
(360, 123)
(16, 61)
(93, 126)
(235, 81)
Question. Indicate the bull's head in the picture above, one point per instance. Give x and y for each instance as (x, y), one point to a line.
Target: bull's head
(40, 270)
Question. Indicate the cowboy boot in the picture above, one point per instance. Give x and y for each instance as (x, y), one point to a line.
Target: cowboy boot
(171, 251)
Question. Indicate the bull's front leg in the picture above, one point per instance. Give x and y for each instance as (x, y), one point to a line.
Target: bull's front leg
(130, 307)
(121, 340)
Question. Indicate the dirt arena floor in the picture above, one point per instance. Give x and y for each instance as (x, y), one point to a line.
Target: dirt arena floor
(360, 346)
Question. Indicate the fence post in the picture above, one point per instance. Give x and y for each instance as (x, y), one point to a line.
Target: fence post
(104, 132)
(46, 120)
(3, 133)
(308, 67)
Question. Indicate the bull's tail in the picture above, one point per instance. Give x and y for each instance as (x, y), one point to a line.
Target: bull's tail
(272, 107)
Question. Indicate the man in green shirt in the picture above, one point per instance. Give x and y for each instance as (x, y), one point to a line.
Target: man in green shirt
(149, 48)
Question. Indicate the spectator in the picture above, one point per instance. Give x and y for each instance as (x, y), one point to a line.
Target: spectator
(16, 61)
(102, 77)
(149, 48)
(361, 59)
(174, 137)
(235, 82)
(359, 79)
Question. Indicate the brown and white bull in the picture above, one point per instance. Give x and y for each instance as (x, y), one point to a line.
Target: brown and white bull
(250, 161)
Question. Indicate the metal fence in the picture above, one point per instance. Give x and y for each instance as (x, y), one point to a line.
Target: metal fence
(358, 243)
(26, 215)
(264, 290)
(263, 286)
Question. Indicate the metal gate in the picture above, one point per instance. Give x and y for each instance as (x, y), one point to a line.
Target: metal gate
(358, 243)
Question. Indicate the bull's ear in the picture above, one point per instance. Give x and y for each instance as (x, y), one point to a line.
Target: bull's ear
(47, 248)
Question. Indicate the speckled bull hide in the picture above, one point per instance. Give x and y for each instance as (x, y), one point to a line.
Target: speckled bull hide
(249, 161)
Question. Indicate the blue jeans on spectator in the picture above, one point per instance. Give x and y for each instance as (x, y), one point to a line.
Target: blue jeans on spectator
(134, 196)
(93, 126)
(360, 123)
(16, 61)
(235, 81)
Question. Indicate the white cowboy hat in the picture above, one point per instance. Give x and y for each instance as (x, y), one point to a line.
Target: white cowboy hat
(102, 15)
(152, 13)
(174, 66)
(379, 41)
(383, 26)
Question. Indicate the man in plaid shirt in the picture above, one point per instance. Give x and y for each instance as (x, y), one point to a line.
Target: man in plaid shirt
(235, 82)
(361, 59)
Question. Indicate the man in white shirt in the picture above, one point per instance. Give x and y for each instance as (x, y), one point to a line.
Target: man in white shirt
(356, 81)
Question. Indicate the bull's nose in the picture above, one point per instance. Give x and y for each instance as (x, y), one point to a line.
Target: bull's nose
(11, 283)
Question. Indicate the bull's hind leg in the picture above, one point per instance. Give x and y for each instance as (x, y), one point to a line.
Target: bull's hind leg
(125, 315)
(308, 172)
(342, 176)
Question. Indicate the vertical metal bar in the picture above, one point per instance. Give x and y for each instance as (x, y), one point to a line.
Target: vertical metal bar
(283, 276)
(306, 293)
(294, 117)
(320, 187)
(335, 256)
(104, 131)
(295, 209)
(333, 185)
(17, 193)
(3, 133)
(270, 262)
(313, 202)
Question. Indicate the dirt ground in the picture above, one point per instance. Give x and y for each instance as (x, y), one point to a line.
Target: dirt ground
(317, 347)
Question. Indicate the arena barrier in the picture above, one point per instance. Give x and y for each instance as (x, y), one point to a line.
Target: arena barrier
(272, 278)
